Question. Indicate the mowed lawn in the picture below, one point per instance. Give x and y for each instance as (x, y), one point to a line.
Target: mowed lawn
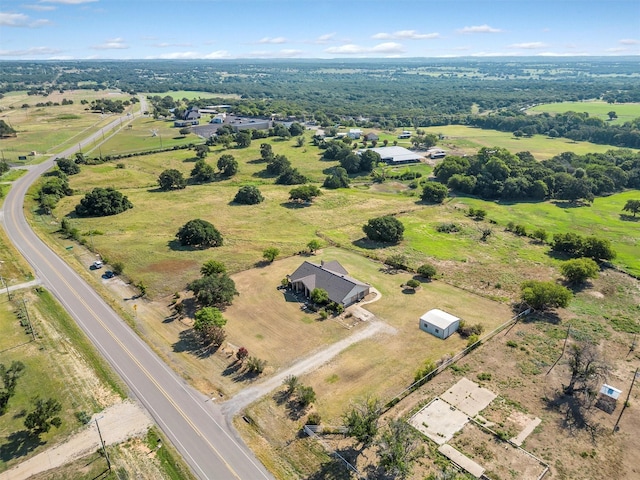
(273, 327)
(468, 140)
(595, 108)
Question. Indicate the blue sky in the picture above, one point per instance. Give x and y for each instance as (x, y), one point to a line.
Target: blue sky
(228, 29)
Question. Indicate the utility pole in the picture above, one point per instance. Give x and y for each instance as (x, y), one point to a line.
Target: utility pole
(33, 333)
(102, 445)
(6, 286)
(626, 402)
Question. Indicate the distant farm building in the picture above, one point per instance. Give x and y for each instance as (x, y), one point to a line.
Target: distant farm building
(396, 155)
(186, 123)
(439, 323)
(192, 113)
(405, 134)
(219, 118)
(331, 277)
(355, 133)
(436, 153)
(371, 137)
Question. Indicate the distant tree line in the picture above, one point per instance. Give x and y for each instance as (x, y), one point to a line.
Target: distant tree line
(495, 173)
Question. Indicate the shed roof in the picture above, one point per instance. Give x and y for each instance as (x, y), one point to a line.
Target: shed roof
(396, 154)
(439, 319)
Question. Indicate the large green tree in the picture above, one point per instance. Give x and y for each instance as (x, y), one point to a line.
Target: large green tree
(632, 206)
(199, 233)
(215, 290)
(338, 178)
(434, 192)
(227, 165)
(399, 447)
(578, 270)
(208, 316)
(361, 420)
(384, 229)
(102, 202)
(248, 195)
(212, 267)
(68, 166)
(9, 376)
(304, 193)
(44, 415)
(171, 179)
(544, 295)
(203, 172)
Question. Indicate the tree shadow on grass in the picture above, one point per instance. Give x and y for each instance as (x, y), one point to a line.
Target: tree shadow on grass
(257, 161)
(576, 412)
(570, 203)
(409, 291)
(629, 218)
(176, 246)
(332, 469)
(19, 444)
(232, 369)
(295, 205)
(548, 317)
(190, 343)
(367, 244)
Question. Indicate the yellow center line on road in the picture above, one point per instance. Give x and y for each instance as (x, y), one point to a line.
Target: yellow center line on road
(128, 352)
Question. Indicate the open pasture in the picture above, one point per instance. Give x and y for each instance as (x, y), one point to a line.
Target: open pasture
(595, 108)
(46, 130)
(460, 139)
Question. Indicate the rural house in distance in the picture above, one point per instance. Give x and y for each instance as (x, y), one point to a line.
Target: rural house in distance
(331, 277)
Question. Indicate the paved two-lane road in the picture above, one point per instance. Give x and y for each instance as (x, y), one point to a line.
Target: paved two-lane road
(195, 427)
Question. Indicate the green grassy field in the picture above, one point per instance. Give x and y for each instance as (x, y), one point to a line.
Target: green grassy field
(625, 111)
(52, 370)
(46, 130)
(337, 215)
(461, 139)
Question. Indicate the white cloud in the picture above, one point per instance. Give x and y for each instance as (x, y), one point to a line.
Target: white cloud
(493, 54)
(479, 29)
(179, 56)
(352, 49)
(112, 44)
(40, 8)
(529, 45)
(29, 52)
(406, 34)
(20, 20)
(326, 38)
(275, 41)
(617, 50)
(285, 53)
(556, 54)
(217, 54)
(629, 41)
(68, 2)
(167, 45)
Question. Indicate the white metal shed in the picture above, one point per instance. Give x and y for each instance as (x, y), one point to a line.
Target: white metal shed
(439, 323)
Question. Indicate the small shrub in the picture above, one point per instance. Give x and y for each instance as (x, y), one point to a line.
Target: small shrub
(120, 165)
(447, 228)
(467, 331)
(512, 344)
(83, 417)
(427, 271)
(413, 283)
(484, 376)
(313, 419)
(323, 314)
(472, 339)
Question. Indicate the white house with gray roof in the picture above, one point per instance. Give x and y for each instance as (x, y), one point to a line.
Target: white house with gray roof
(331, 277)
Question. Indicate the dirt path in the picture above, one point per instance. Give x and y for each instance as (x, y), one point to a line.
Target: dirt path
(249, 395)
(117, 424)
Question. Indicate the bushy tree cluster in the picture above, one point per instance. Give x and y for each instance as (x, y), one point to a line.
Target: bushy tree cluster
(577, 246)
(199, 233)
(384, 229)
(338, 178)
(495, 173)
(102, 202)
(248, 195)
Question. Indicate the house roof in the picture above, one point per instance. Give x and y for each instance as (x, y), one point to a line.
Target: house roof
(330, 276)
(439, 319)
(396, 154)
